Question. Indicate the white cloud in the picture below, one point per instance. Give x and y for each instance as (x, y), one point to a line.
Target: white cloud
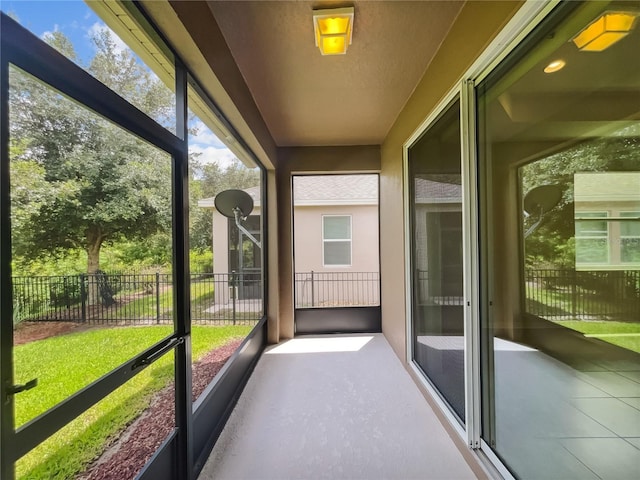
(98, 27)
(205, 136)
(222, 156)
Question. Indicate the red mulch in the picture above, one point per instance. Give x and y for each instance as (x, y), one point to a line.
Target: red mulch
(26, 332)
(128, 453)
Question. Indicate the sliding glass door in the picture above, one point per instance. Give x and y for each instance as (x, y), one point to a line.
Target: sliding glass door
(437, 257)
(559, 167)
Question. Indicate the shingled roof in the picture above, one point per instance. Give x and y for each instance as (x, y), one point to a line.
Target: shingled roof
(323, 190)
(358, 190)
(335, 190)
(438, 189)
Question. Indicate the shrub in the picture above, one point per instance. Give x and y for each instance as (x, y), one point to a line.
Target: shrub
(201, 261)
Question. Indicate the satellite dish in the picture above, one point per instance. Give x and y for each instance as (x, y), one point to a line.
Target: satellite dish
(236, 204)
(230, 201)
(542, 199)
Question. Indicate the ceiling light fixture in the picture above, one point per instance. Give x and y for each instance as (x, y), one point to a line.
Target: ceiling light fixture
(555, 66)
(604, 31)
(333, 30)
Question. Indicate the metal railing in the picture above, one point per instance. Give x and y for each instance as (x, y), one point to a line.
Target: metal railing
(555, 294)
(336, 289)
(220, 299)
(438, 292)
(583, 295)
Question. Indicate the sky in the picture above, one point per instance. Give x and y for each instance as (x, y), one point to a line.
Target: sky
(77, 22)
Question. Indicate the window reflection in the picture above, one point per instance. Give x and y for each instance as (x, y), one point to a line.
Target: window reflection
(560, 280)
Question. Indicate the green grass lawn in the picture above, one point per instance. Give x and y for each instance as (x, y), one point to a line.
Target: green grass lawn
(626, 335)
(201, 299)
(67, 363)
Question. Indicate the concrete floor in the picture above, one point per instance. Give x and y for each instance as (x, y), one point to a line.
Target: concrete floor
(335, 407)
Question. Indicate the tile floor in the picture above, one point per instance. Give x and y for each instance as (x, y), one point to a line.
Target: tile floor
(556, 422)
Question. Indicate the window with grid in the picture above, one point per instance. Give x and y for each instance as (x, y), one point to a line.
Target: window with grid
(336, 240)
(630, 238)
(592, 237)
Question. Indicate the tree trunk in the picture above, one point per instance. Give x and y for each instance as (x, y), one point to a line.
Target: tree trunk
(94, 243)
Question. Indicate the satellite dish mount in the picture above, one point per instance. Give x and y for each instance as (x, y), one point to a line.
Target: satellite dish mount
(236, 204)
(540, 201)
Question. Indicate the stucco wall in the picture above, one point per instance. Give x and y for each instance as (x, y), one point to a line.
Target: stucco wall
(220, 235)
(475, 27)
(308, 238)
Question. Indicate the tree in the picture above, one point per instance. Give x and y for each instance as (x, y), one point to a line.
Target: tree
(552, 243)
(89, 182)
(207, 180)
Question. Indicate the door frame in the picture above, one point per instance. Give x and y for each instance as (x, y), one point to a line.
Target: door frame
(329, 320)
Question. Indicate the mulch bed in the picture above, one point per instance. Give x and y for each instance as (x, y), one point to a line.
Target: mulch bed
(128, 453)
(26, 332)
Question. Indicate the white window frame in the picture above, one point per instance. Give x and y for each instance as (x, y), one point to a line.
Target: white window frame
(332, 240)
(626, 214)
(585, 216)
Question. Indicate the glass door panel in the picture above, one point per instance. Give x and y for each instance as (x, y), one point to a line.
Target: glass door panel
(226, 264)
(559, 165)
(436, 215)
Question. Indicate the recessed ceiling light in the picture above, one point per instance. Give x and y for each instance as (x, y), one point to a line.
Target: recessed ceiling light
(555, 66)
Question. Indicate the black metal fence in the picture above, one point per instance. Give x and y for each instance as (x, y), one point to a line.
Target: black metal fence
(444, 290)
(337, 289)
(583, 295)
(102, 298)
(230, 298)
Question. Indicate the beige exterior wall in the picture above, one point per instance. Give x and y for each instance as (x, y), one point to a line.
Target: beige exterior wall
(220, 235)
(308, 242)
(475, 27)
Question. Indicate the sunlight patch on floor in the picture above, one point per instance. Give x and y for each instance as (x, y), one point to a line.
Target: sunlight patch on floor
(321, 345)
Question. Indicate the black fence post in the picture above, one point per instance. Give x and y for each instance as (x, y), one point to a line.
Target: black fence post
(157, 297)
(83, 298)
(233, 294)
(574, 294)
(65, 288)
(313, 303)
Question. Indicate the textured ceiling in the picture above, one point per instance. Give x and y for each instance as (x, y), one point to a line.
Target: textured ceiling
(309, 99)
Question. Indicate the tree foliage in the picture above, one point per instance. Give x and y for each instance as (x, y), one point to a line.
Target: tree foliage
(552, 244)
(207, 180)
(79, 181)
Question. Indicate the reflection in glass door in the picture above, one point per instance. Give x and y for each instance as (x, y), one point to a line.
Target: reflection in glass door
(436, 215)
(559, 163)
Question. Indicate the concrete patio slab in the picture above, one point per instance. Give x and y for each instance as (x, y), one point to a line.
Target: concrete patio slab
(334, 407)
